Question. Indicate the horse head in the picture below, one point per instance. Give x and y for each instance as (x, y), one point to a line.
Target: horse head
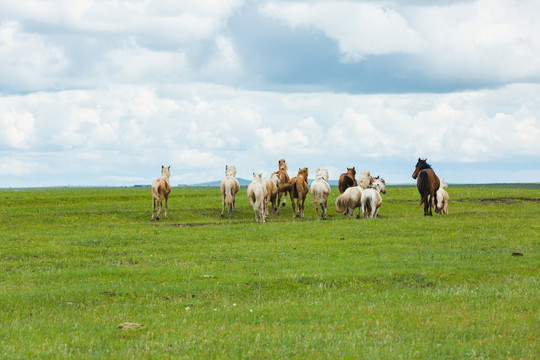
(443, 184)
(379, 185)
(257, 177)
(420, 165)
(230, 170)
(322, 174)
(351, 171)
(165, 171)
(303, 173)
(282, 165)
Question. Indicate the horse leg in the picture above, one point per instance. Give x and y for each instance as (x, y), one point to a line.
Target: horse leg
(292, 204)
(279, 201)
(223, 205)
(324, 208)
(159, 203)
(303, 201)
(166, 205)
(317, 209)
(153, 207)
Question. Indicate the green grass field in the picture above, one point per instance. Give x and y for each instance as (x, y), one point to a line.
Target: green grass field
(75, 263)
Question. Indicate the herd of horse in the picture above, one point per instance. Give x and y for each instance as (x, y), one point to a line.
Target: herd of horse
(264, 193)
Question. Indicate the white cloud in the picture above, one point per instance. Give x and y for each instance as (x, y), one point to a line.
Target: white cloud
(360, 29)
(13, 167)
(27, 60)
(17, 128)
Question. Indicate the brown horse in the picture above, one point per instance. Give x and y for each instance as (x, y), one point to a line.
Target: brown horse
(346, 180)
(428, 183)
(298, 189)
(161, 190)
(283, 178)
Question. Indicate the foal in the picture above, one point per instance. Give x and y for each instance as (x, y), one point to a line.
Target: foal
(161, 190)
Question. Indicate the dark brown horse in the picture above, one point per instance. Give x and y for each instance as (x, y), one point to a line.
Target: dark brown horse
(298, 189)
(283, 179)
(346, 180)
(428, 183)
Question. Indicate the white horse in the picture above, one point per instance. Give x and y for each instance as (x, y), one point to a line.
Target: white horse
(442, 198)
(257, 194)
(229, 187)
(349, 201)
(371, 198)
(161, 188)
(320, 191)
(272, 186)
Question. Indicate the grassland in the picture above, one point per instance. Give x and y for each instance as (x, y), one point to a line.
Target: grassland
(75, 263)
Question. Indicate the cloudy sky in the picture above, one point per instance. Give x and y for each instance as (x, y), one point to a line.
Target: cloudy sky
(103, 92)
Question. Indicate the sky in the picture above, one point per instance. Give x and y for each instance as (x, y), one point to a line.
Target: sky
(104, 92)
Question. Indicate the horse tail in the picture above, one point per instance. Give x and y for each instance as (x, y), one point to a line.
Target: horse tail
(229, 197)
(341, 203)
(423, 187)
(368, 205)
(155, 189)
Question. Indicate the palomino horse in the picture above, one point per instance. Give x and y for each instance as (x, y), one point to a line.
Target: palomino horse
(283, 178)
(298, 189)
(161, 190)
(346, 180)
(256, 193)
(272, 186)
(427, 183)
(349, 201)
(229, 187)
(320, 191)
(371, 198)
(442, 199)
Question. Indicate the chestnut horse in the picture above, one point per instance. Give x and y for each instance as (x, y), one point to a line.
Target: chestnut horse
(427, 183)
(346, 180)
(298, 189)
(283, 178)
(161, 190)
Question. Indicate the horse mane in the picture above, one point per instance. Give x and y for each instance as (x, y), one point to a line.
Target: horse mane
(282, 165)
(364, 179)
(322, 174)
(422, 165)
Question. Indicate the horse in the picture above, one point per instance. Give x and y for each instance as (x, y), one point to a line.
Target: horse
(320, 191)
(365, 179)
(229, 187)
(442, 199)
(347, 180)
(257, 193)
(161, 188)
(349, 201)
(298, 189)
(427, 183)
(371, 198)
(272, 186)
(283, 178)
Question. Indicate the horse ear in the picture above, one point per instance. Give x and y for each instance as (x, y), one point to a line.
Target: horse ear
(419, 159)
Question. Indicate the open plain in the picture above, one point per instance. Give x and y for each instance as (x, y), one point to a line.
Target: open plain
(77, 264)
